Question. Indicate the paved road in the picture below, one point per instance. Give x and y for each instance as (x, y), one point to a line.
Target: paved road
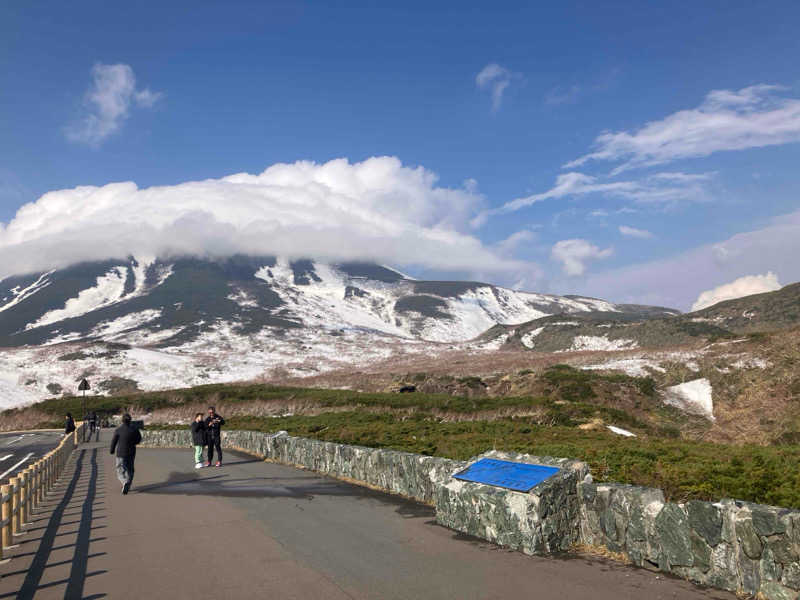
(18, 450)
(253, 528)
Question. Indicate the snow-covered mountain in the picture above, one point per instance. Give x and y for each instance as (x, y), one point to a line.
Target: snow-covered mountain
(155, 324)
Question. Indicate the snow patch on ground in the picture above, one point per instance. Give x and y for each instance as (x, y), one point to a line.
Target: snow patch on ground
(493, 344)
(620, 431)
(13, 391)
(108, 289)
(600, 342)
(110, 329)
(752, 362)
(527, 338)
(693, 397)
(220, 355)
(635, 367)
(243, 299)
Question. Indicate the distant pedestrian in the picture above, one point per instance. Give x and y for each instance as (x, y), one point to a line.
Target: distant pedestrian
(124, 442)
(199, 439)
(69, 424)
(93, 424)
(213, 424)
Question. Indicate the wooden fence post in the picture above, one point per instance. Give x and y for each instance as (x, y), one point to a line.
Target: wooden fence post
(39, 482)
(14, 482)
(23, 499)
(5, 516)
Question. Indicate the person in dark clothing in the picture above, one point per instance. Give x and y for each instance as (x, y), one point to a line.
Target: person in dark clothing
(124, 442)
(69, 424)
(213, 423)
(93, 425)
(199, 439)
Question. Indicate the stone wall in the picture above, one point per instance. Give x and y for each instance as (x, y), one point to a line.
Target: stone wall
(541, 521)
(403, 473)
(737, 546)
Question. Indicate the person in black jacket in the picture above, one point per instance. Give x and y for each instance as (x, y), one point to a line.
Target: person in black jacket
(213, 423)
(124, 442)
(199, 439)
(69, 424)
(93, 426)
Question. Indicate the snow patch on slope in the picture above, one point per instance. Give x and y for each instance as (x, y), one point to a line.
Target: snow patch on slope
(111, 329)
(22, 294)
(108, 289)
(635, 367)
(693, 397)
(620, 431)
(324, 303)
(243, 299)
(527, 338)
(600, 342)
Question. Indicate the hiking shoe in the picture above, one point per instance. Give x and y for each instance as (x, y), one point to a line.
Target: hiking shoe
(125, 487)
(198, 465)
(219, 464)
(208, 464)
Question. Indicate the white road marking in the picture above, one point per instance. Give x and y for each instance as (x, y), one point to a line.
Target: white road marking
(16, 465)
(15, 440)
(6, 457)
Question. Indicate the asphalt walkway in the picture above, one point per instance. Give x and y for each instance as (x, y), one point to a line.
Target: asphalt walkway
(20, 449)
(252, 528)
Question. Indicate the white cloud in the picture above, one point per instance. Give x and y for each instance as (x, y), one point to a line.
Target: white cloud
(508, 246)
(574, 254)
(642, 234)
(743, 286)
(109, 100)
(377, 209)
(661, 188)
(752, 117)
(495, 79)
(563, 95)
(676, 281)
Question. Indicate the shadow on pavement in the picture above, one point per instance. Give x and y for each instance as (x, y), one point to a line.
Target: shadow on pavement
(41, 558)
(192, 484)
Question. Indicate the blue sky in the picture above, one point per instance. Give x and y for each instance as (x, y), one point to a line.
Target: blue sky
(221, 88)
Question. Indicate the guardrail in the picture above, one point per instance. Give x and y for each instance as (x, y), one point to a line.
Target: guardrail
(27, 491)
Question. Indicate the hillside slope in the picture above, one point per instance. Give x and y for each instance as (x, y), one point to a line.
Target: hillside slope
(149, 324)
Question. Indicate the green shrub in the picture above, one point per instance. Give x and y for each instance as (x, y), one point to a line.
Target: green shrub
(683, 469)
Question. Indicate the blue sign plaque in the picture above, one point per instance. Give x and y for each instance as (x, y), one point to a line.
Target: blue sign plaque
(520, 477)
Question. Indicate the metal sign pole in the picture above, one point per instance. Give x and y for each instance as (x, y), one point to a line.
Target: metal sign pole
(84, 385)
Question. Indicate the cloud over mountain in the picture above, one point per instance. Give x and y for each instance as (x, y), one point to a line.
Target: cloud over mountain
(676, 280)
(377, 210)
(575, 254)
(743, 286)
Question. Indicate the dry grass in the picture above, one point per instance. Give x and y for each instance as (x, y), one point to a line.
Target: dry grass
(752, 405)
(601, 552)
